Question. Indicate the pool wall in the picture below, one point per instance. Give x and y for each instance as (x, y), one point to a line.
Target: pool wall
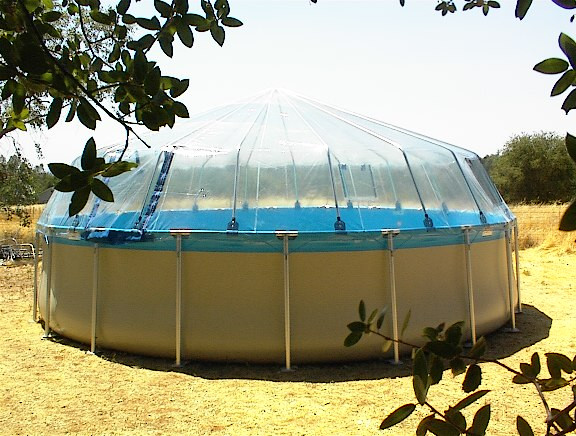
(232, 305)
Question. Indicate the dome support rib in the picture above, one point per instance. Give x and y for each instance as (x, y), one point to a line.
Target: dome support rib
(427, 220)
(339, 225)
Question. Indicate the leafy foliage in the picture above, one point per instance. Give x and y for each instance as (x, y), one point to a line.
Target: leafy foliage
(444, 349)
(49, 66)
(20, 184)
(533, 168)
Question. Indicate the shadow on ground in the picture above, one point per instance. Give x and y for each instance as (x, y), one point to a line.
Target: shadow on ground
(533, 326)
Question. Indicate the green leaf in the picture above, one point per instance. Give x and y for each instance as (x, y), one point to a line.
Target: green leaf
(71, 111)
(553, 384)
(362, 310)
(164, 8)
(51, 16)
(381, 317)
(100, 17)
(140, 66)
(118, 168)
(522, 7)
(571, 146)
(473, 378)
(568, 221)
(372, 317)
(185, 34)
(535, 362)
(196, 20)
(101, 190)
(149, 23)
(436, 369)
(563, 83)
(87, 114)
(89, 155)
(54, 112)
(357, 326)
(558, 362)
(406, 322)
(457, 366)
(152, 82)
(470, 399)
(181, 6)
(114, 54)
(523, 427)
(352, 338)
(31, 5)
(442, 349)
(61, 170)
(478, 349)
(566, 4)
(453, 334)
(179, 87)
(231, 22)
(568, 46)
(552, 66)
(481, 421)
(420, 376)
(398, 416)
(430, 333)
(122, 6)
(217, 33)
(570, 102)
(456, 418)
(79, 200)
(563, 419)
(386, 345)
(521, 379)
(166, 46)
(441, 428)
(18, 98)
(6, 73)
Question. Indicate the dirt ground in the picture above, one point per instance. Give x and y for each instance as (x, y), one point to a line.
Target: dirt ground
(53, 387)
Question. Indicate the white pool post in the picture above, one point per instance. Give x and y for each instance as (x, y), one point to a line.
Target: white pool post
(95, 277)
(508, 232)
(389, 234)
(178, 234)
(517, 259)
(48, 284)
(471, 309)
(35, 293)
(285, 236)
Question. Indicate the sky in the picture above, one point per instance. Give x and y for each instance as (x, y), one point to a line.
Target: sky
(464, 78)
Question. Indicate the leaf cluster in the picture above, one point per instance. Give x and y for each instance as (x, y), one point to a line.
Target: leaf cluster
(444, 349)
(80, 58)
(84, 181)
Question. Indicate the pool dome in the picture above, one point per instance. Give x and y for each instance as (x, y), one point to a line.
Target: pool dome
(251, 231)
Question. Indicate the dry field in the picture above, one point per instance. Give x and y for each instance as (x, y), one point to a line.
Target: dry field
(54, 387)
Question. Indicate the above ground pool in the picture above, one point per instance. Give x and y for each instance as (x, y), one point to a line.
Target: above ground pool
(252, 231)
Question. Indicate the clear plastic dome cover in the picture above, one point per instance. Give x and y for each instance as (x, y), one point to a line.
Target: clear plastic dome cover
(279, 161)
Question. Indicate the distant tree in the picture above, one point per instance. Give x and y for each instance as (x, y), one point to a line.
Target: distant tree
(534, 168)
(20, 185)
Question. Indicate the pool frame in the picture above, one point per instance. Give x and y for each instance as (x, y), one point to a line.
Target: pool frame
(285, 304)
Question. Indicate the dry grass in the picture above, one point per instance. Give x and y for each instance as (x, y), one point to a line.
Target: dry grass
(12, 228)
(54, 387)
(538, 227)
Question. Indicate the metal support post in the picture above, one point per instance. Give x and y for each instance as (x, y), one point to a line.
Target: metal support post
(95, 277)
(48, 269)
(285, 237)
(510, 277)
(517, 259)
(471, 309)
(35, 294)
(389, 234)
(178, 234)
